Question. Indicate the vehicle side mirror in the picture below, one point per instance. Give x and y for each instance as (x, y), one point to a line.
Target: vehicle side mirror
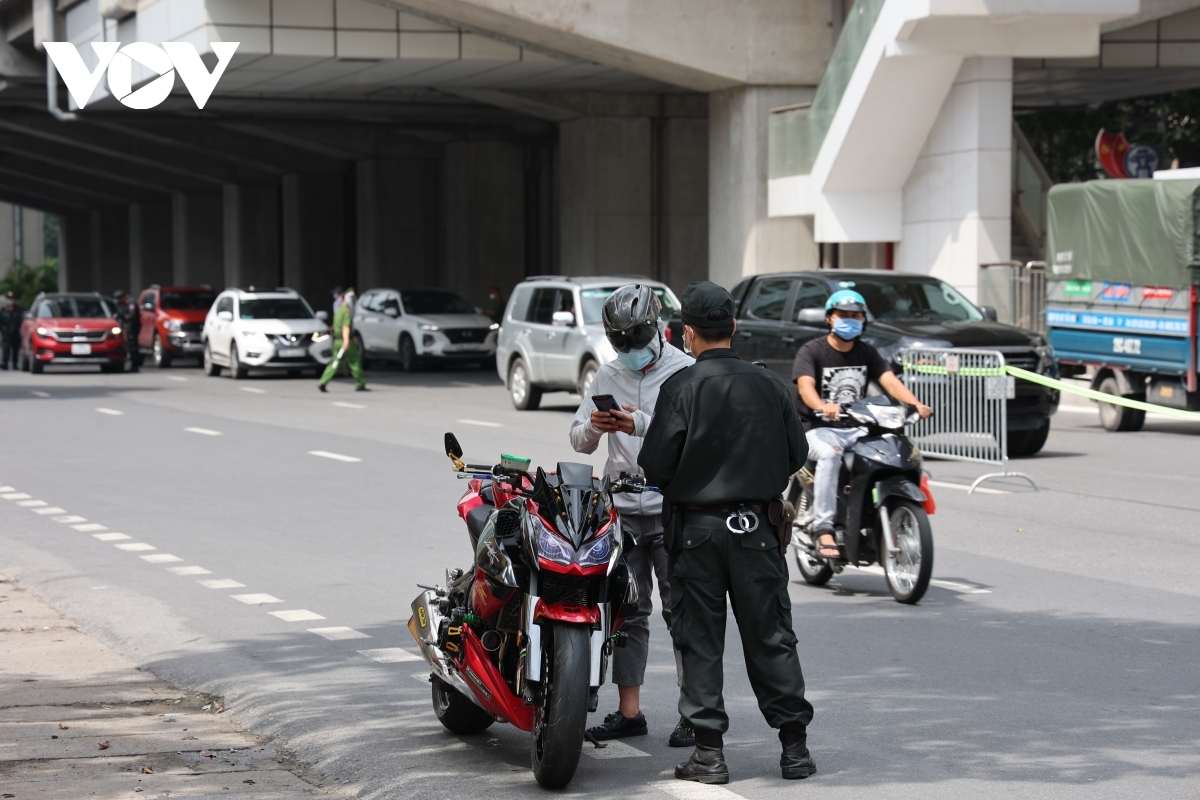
(989, 313)
(813, 317)
(323, 316)
(227, 316)
(564, 319)
(392, 311)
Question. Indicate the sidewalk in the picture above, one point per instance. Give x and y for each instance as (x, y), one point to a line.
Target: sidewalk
(79, 721)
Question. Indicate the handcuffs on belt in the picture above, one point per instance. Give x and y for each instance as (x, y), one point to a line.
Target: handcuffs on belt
(747, 521)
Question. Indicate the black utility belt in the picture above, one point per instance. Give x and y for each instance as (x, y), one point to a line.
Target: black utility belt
(758, 507)
(739, 517)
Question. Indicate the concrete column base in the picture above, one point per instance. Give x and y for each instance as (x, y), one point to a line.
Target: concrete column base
(197, 240)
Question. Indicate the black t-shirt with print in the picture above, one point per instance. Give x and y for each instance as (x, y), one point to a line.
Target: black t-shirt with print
(840, 377)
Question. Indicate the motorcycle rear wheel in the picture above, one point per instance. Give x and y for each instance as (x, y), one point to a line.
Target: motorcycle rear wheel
(457, 713)
(557, 739)
(814, 571)
(909, 570)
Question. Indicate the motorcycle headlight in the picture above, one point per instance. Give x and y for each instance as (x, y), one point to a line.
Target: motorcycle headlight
(597, 551)
(888, 416)
(173, 325)
(549, 546)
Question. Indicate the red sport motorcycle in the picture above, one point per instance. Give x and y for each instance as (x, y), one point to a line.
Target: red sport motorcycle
(525, 635)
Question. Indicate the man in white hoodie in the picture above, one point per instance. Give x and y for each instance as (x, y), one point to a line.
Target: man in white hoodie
(644, 362)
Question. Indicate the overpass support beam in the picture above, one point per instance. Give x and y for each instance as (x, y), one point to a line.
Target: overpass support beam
(397, 205)
(314, 235)
(150, 250)
(110, 250)
(75, 252)
(743, 240)
(251, 235)
(197, 239)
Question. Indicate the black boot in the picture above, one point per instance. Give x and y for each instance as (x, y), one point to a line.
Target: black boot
(707, 764)
(795, 761)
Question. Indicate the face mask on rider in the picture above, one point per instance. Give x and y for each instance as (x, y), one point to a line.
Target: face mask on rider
(847, 329)
(640, 359)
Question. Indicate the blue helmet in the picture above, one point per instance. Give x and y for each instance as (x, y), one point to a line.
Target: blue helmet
(846, 300)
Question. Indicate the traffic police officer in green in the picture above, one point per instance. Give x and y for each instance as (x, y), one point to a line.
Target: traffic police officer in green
(724, 441)
(344, 348)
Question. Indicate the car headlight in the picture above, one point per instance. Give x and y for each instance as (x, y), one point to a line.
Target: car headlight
(42, 331)
(320, 336)
(173, 325)
(597, 551)
(1047, 363)
(251, 335)
(495, 326)
(429, 327)
(549, 546)
(116, 330)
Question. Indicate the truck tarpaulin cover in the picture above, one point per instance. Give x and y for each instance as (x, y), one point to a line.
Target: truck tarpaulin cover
(1124, 231)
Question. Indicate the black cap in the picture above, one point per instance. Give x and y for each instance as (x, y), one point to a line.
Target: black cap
(706, 305)
(336, 290)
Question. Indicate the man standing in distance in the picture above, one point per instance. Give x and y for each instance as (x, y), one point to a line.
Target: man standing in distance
(644, 362)
(10, 331)
(344, 347)
(724, 441)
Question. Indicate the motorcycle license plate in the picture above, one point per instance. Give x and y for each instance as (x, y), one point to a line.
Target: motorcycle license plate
(81, 349)
(292, 352)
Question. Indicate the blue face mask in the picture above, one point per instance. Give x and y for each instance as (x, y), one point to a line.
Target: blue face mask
(847, 329)
(636, 359)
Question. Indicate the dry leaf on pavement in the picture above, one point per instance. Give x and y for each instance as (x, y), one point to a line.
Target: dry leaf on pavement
(62, 727)
(147, 771)
(105, 745)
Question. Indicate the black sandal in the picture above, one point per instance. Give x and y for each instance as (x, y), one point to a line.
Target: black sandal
(827, 551)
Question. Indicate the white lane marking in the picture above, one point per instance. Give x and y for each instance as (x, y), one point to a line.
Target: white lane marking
(112, 412)
(189, 570)
(966, 487)
(32, 503)
(36, 393)
(391, 655)
(221, 583)
(334, 456)
(136, 547)
(955, 586)
(69, 519)
(295, 615)
(255, 599)
(686, 790)
(16, 496)
(110, 537)
(483, 424)
(203, 431)
(177, 378)
(468, 385)
(54, 510)
(161, 558)
(340, 404)
(337, 633)
(89, 527)
(7, 489)
(252, 390)
(614, 749)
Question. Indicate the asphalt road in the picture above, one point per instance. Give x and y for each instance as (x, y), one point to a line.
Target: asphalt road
(1054, 656)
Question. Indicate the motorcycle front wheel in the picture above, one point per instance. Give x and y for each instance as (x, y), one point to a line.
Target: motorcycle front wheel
(558, 725)
(457, 713)
(908, 570)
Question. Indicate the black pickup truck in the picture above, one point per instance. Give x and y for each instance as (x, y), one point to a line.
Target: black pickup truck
(777, 313)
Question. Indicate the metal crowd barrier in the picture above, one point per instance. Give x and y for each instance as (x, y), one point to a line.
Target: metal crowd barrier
(968, 391)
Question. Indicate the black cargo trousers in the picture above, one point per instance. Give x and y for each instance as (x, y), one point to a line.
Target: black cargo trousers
(713, 562)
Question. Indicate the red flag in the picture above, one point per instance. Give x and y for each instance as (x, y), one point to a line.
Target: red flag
(1110, 150)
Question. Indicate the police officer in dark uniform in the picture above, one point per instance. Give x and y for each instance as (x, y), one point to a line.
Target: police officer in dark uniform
(10, 331)
(131, 320)
(724, 441)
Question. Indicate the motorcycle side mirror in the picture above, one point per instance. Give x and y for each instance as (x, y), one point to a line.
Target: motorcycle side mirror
(453, 448)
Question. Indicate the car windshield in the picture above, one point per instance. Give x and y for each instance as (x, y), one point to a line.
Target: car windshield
(188, 301)
(435, 302)
(75, 307)
(919, 298)
(593, 302)
(276, 308)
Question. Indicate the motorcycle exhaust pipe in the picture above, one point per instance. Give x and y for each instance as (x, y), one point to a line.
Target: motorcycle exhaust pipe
(424, 625)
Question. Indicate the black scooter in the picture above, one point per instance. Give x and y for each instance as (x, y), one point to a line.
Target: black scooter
(884, 503)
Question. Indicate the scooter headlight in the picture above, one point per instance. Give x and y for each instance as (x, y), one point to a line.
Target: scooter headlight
(549, 546)
(597, 551)
(887, 416)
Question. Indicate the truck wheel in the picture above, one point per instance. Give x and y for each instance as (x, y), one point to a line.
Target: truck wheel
(557, 739)
(457, 713)
(525, 396)
(1022, 444)
(160, 356)
(1118, 418)
(586, 376)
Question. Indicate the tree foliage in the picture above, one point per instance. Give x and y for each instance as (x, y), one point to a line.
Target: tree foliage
(1065, 138)
(25, 280)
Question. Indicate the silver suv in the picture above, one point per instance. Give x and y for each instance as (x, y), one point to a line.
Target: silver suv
(552, 338)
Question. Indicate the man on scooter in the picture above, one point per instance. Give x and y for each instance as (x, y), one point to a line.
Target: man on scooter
(831, 371)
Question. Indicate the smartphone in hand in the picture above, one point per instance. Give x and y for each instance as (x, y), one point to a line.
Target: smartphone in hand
(605, 402)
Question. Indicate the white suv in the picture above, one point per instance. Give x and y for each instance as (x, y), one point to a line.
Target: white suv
(264, 330)
(418, 326)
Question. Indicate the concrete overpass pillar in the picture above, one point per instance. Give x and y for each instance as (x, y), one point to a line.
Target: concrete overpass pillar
(251, 236)
(197, 240)
(75, 252)
(485, 209)
(150, 251)
(397, 213)
(110, 249)
(742, 239)
(314, 238)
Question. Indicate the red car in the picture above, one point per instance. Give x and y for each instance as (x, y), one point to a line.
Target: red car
(172, 320)
(72, 328)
